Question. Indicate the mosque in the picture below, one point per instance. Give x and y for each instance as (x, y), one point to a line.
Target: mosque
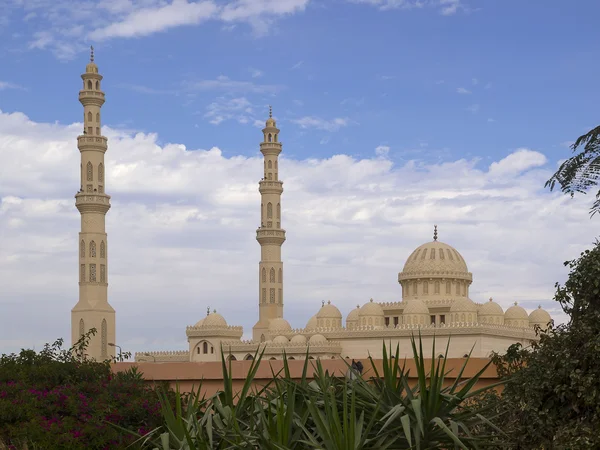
(434, 282)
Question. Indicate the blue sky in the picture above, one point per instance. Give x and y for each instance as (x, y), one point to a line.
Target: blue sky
(391, 74)
(395, 115)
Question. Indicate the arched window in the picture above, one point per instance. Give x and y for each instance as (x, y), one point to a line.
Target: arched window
(262, 338)
(249, 357)
(97, 85)
(90, 85)
(462, 317)
(97, 131)
(432, 254)
(436, 287)
(275, 163)
(270, 137)
(449, 255)
(98, 117)
(280, 277)
(104, 338)
(82, 273)
(82, 249)
(264, 275)
(102, 250)
(231, 358)
(441, 252)
(272, 275)
(205, 347)
(464, 289)
(278, 211)
(90, 171)
(264, 295)
(93, 249)
(272, 295)
(270, 164)
(425, 287)
(457, 289)
(101, 173)
(448, 285)
(291, 357)
(93, 272)
(269, 210)
(89, 116)
(424, 253)
(198, 350)
(81, 328)
(417, 255)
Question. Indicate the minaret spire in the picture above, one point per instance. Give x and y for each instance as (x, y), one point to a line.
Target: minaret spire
(270, 235)
(435, 236)
(93, 310)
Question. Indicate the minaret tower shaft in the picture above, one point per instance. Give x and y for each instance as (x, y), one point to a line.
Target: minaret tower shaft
(93, 310)
(270, 235)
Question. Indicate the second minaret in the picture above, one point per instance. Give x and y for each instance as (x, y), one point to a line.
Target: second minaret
(270, 235)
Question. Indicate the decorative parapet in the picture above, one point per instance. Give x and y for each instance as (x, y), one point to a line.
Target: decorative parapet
(94, 143)
(437, 274)
(166, 356)
(271, 348)
(214, 331)
(405, 330)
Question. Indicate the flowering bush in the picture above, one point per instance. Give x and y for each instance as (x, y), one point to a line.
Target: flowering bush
(59, 399)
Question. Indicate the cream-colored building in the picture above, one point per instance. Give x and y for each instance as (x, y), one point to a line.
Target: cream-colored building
(435, 282)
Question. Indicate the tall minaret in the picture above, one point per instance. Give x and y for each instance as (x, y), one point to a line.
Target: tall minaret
(270, 235)
(93, 310)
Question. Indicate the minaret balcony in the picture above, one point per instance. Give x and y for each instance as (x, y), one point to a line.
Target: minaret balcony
(89, 142)
(270, 187)
(88, 202)
(270, 236)
(88, 97)
(270, 148)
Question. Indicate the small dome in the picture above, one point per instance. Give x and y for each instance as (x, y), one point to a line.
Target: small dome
(371, 309)
(312, 323)
(463, 304)
(353, 316)
(414, 306)
(298, 339)
(539, 317)
(491, 308)
(279, 324)
(317, 339)
(329, 311)
(281, 340)
(214, 320)
(515, 312)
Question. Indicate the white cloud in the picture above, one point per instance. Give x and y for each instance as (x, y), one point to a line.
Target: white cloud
(145, 21)
(256, 73)
(462, 90)
(223, 83)
(239, 109)
(181, 231)
(322, 124)
(382, 151)
(297, 65)
(445, 7)
(66, 29)
(474, 108)
(8, 85)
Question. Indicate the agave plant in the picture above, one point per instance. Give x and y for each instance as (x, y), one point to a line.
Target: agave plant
(329, 412)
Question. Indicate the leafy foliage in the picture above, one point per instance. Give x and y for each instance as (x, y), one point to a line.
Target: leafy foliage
(58, 398)
(552, 394)
(580, 172)
(370, 411)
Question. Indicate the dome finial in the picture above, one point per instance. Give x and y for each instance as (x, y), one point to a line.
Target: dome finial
(491, 299)
(207, 310)
(91, 53)
(435, 232)
(322, 303)
(270, 112)
(516, 303)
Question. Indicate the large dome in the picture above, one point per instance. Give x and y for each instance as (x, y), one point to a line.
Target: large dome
(279, 324)
(214, 320)
(435, 258)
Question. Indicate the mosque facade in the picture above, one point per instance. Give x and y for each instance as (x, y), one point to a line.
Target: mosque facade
(435, 282)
